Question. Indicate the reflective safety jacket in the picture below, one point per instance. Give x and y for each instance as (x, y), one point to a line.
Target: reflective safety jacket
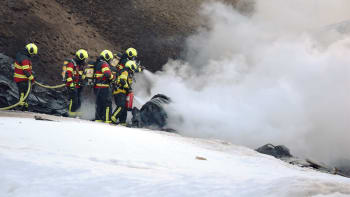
(74, 73)
(124, 81)
(123, 59)
(23, 67)
(103, 74)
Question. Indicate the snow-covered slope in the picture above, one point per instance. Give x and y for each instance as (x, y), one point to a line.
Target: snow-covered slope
(70, 157)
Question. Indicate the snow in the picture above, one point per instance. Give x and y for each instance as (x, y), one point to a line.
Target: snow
(81, 158)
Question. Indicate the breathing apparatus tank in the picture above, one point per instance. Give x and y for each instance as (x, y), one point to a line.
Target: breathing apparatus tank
(89, 73)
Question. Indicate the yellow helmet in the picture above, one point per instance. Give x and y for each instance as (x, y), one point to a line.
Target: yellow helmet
(131, 52)
(32, 49)
(107, 55)
(82, 54)
(131, 65)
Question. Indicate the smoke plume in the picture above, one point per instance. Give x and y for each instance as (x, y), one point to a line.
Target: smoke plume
(279, 75)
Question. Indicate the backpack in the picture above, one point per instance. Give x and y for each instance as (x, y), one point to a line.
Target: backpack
(89, 74)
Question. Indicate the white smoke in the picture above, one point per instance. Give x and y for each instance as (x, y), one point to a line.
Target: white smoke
(88, 104)
(265, 78)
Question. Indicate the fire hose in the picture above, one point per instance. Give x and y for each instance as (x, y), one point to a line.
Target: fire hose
(28, 91)
(21, 100)
(50, 87)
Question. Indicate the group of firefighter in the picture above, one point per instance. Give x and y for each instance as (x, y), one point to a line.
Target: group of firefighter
(78, 72)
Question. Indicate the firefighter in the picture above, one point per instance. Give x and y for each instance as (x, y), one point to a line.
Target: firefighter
(103, 76)
(129, 54)
(121, 59)
(74, 72)
(122, 89)
(23, 71)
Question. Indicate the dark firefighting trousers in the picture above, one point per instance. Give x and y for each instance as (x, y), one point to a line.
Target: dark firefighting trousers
(74, 100)
(22, 90)
(121, 111)
(103, 104)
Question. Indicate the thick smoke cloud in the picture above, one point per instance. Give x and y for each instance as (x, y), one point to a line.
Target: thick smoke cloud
(271, 77)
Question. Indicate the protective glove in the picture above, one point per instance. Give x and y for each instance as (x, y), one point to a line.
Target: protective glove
(126, 85)
(72, 86)
(111, 78)
(31, 78)
(141, 68)
(122, 83)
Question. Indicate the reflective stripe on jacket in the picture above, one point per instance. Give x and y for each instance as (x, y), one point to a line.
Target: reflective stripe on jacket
(23, 68)
(103, 74)
(124, 82)
(74, 74)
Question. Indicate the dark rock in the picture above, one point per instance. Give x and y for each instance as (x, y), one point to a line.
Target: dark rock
(152, 113)
(279, 151)
(283, 153)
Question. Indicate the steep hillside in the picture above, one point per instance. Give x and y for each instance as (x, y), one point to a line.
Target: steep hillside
(57, 32)
(156, 28)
